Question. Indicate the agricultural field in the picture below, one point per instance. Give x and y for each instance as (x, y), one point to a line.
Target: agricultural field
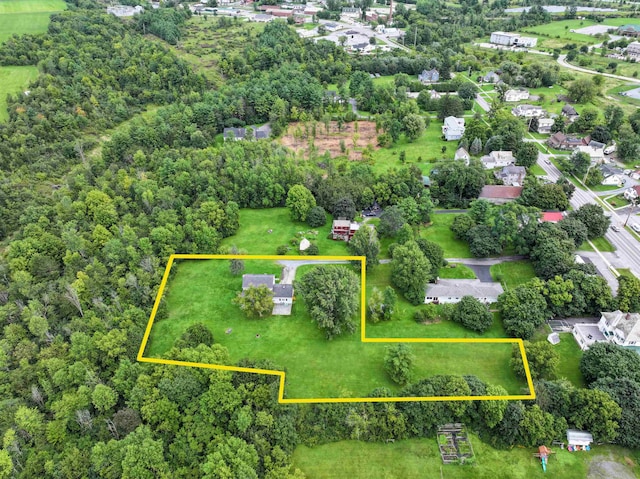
(419, 458)
(14, 80)
(202, 290)
(18, 17)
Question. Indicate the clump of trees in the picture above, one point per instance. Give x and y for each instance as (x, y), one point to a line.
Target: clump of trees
(255, 301)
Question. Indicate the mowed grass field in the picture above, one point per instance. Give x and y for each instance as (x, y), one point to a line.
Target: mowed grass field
(18, 17)
(202, 290)
(14, 80)
(420, 459)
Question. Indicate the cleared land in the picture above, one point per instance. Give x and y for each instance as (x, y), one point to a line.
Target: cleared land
(14, 80)
(28, 6)
(202, 290)
(439, 231)
(18, 17)
(355, 136)
(513, 273)
(419, 458)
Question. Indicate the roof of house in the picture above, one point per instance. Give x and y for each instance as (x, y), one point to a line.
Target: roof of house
(551, 216)
(636, 188)
(283, 290)
(596, 144)
(569, 110)
(627, 323)
(514, 170)
(501, 192)
(609, 170)
(461, 152)
(453, 122)
(258, 280)
(630, 26)
(341, 223)
(526, 106)
(426, 181)
(456, 288)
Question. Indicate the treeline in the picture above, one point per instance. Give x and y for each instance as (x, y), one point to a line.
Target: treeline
(164, 23)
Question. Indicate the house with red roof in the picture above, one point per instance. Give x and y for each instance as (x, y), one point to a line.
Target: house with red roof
(551, 216)
(499, 194)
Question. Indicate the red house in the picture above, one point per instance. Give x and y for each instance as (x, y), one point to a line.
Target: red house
(343, 229)
(551, 217)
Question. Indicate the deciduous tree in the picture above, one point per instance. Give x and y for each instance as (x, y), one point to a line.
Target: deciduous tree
(410, 271)
(255, 301)
(397, 363)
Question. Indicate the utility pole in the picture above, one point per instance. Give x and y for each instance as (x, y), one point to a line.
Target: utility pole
(415, 36)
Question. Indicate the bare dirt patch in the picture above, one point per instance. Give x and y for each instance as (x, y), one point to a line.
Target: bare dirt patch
(356, 136)
(603, 468)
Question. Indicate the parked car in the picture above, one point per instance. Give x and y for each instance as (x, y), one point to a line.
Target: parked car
(635, 227)
(609, 149)
(615, 228)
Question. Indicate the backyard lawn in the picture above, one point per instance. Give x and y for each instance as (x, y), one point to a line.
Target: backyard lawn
(13, 80)
(439, 232)
(419, 458)
(202, 290)
(570, 355)
(513, 273)
(254, 237)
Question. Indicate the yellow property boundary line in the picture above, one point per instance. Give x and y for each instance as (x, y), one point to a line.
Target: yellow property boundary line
(363, 338)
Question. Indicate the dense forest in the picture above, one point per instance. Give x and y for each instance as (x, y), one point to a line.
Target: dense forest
(86, 234)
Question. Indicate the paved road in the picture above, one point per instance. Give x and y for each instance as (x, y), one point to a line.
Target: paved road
(563, 62)
(482, 102)
(627, 248)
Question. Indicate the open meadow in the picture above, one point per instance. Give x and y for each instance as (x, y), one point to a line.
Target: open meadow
(202, 290)
(18, 17)
(14, 80)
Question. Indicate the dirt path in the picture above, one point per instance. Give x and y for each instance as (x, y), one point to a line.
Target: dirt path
(603, 468)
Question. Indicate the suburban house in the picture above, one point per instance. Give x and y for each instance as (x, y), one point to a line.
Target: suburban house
(351, 12)
(612, 176)
(544, 125)
(344, 229)
(429, 76)
(282, 293)
(491, 77)
(629, 30)
(462, 154)
(635, 175)
(596, 154)
(259, 132)
(570, 112)
(426, 181)
(516, 95)
(497, 159)
(499, 194)
(453, 128)
(616, 327)
(632, 193)
(512, 40)
(528, 111)
(633, 49)
(452, 290)
(512, 175)
(560, 141)
(551, 217)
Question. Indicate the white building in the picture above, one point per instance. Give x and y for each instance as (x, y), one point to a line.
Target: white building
(512, 175)
(632, 193)
(124, 10)
(282, 293)
(512, 40)
(616, 327)
(528, 111)
(462, 154)
(497, 159)
(633, 49)
(453, 128)
(452, 291)
(596, 154)
(516, 95)
(544, 125)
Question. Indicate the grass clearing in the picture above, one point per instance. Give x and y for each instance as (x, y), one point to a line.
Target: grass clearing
(601, 243)
(439, 231)
(30, 6)
(23, 23)
(513, 273)
(419, 458)
(13, 80)
(456, 271)
(570, 355)
(253, 235)
(201, 291)
(537, 170)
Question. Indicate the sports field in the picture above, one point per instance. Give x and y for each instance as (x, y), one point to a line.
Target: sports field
(13, 80)
(202, 290)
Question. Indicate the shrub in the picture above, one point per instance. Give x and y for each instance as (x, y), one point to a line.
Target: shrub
(282, 249)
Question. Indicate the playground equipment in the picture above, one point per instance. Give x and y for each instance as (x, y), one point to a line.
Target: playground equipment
(543, 453)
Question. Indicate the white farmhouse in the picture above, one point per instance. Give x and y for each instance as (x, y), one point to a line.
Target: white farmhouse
(516, 95)
(452, 291)
(616, 327)
(453, 128)
(497, 159)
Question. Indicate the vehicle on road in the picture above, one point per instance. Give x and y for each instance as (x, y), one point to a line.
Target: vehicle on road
(547, 161)
(615, 228)
(635, 227)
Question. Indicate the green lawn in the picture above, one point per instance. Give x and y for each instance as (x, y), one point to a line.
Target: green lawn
(28, 6)
(14, 80)
(570, 355)
(513, 273)
(420, 459)
(253, 235)
(344, 367)
(601, 243)
(23, 23)
(384, 80)
(440, 232)
(537, 170)
(456, 271)
(601, 188)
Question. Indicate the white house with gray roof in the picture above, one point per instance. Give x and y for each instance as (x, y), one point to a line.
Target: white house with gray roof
(511, 175)
(452, 291)
(453, 128)
(616, 327)
(282, 293)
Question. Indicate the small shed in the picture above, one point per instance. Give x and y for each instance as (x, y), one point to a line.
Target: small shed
(304, 244)
(578, 440)
(553, 338)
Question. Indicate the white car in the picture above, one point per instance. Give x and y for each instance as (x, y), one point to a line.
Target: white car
(635, 228)
(609, 149)
(615, 228)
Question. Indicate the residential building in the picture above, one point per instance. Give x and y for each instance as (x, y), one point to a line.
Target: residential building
(528, 111)
(263, 17)
(516, 95)
(577, 440)
(632, 193)
(551, 217)
(497, 159)
(453, 128)
(512, 175)
(545, 125)
(344, 229)
(351, 12)
(282, 293)
(462, 154)
(635, 175)
(512, 40)
(452, 291)
(499, 194)
(620, 328)
(560, 141)
(629, 30)
(429, 76)
(570, 112)
(633, 49)
(596, 154)
(491, 77)
(612, 176)
(259, 133)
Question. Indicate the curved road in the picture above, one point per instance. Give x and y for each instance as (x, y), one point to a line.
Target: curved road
(563, 62)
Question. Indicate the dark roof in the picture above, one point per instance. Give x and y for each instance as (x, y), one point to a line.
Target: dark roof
(596, 144)
(499, 191)
(258, 280)
(569, 110)
(283, 291)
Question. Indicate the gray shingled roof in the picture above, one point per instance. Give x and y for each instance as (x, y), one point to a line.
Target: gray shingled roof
(283, 291)
(258, 280)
